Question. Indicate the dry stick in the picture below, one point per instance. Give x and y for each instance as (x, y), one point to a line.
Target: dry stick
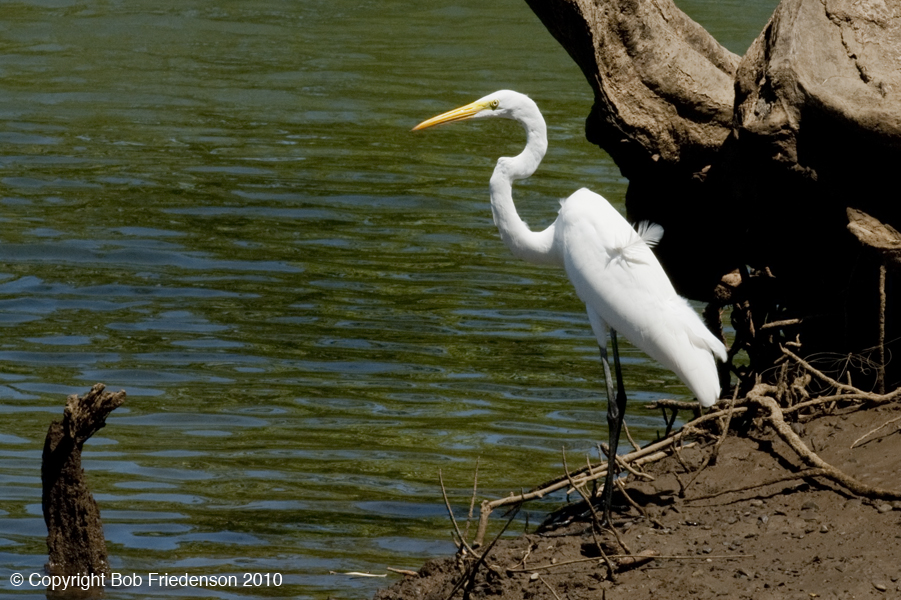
(677, 453)
(525, 557)
(636, 560)
(548, 587)
(619, 540)
(789, 477)
(719, 442)
(594, 514)
(839, 398)
(777, 422)
(575, 561)
(595, 492)
(469, 576)
(590, 469)
(596, 521)
(636, 506)
(561, 563)
(629, 436)
(874, 431)
(598, 524)
(631, 469)
(472, 502)
(636, 458)
(785, 323)
(674, 404)
(450, 513)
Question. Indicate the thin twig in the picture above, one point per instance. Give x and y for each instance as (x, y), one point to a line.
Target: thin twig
(596, 521)
(785, 323)
(450, 513)
(525, 556)
(574, 561)
(789, 477)
(468, 578)
(677, 452)
(631, 469)
(674, 404)
(636, 560)
(719, 442)
(629, 436)
(540, 578)
(872, 431)
(472, 502)
(636, 506)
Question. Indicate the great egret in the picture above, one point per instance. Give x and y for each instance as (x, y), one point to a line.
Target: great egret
(610, 264)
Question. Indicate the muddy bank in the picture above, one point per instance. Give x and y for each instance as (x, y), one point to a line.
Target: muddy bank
(779, 537)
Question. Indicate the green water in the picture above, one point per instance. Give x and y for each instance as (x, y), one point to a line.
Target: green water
(220, 208)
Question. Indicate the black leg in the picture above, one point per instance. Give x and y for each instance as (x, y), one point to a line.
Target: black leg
(616, 412)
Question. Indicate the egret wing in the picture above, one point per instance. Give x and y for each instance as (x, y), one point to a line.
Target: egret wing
(616, 275)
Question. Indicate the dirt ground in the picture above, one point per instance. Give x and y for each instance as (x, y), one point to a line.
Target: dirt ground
(794, 539)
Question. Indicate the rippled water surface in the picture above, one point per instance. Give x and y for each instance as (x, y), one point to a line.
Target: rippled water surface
(220, 208)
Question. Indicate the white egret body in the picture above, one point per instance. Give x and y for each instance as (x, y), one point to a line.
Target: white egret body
(609, 263)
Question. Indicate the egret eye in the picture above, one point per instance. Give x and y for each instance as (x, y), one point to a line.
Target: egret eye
(494, 104)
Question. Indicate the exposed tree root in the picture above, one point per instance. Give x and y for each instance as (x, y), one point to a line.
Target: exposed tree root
(776, 420)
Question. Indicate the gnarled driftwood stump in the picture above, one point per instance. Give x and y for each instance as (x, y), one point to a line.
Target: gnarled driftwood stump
(750, 163)
(74, 531)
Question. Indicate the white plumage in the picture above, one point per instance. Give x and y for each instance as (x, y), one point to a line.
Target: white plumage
(620, 280)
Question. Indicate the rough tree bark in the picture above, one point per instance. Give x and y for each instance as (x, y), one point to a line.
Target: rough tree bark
(74, 531)
(663, 105)
(753, 161)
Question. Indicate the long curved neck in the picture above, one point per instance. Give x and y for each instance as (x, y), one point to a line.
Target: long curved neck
(531, 246)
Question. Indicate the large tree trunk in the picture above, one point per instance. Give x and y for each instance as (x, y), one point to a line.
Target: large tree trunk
(753, 161)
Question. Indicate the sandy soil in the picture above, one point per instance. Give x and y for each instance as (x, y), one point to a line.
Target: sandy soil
(793, 539)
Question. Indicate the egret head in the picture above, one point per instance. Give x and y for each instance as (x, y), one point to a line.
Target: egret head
(504, 103)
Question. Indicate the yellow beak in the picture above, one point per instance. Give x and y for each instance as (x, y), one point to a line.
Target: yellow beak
(458, 114)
